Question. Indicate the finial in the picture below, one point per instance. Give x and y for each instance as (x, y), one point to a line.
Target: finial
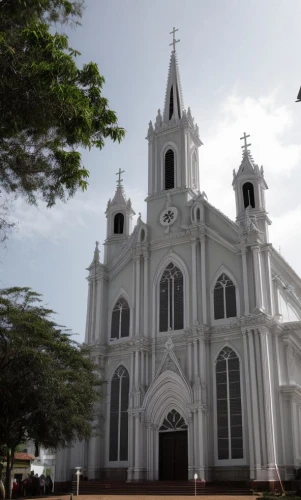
(97, 244)
(174, 41)
(245, 146)
(119, 180)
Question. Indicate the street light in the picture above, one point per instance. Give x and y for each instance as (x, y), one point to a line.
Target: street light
(77, 479)
(195, 478)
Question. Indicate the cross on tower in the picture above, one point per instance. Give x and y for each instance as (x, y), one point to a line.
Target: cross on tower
(245, 146)
(119, 180)
(174, 41)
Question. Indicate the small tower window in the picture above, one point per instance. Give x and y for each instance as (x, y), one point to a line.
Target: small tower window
(224, 298)
(248, 194)
(118, 223)
(198, 214)
(169, 169)
(142, 235)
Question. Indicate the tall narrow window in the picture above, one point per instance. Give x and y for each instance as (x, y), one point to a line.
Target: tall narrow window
(171, 299)
(224, 298)
(119, 415)
(120, 326)
(228, 405)
(169, 169)
(118, 223)
(248, 194)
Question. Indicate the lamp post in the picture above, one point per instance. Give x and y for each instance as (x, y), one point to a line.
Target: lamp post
(77, 479)
(195, 478)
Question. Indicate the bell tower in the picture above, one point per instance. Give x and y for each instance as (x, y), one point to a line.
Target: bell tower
(119, 215)
(174, 141)
(249, 185)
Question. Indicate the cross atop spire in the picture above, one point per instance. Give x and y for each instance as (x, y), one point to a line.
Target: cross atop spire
(119, 180)
(174, 41)
(245, 146)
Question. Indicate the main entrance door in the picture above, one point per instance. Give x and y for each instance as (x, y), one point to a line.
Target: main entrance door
(173, 456)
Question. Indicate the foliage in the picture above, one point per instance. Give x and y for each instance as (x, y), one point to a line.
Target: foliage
(50, 108)
(49, 385)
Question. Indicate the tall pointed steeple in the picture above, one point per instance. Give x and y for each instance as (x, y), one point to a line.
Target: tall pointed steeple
(174, 105)
(174, 141)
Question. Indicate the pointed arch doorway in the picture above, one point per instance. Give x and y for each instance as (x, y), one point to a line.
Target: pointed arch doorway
(173, 448)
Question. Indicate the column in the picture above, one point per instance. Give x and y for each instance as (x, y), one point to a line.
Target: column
(254, 395)
(190, 447)
(245, 280)
(98, 306)
(194, 286)
(137, 381)
(257, 277)
(189, 371)
(268, 403)
(203, 278)
(195, 440)
(137, 444)
(145, 294)
(201, 445)
(249, 409)
(137, 300)
(195, 359)
(88, 320)
(202, 372)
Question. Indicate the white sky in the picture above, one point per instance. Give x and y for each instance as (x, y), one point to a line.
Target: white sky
(240, 70)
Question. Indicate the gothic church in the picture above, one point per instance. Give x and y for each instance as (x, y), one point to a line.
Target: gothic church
(195, 322)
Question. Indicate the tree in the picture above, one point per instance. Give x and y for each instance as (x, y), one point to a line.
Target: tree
(49, 385)
(50, 108)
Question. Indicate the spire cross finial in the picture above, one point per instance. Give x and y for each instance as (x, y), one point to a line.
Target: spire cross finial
(245, 146)
(119, 180)
(174, 41)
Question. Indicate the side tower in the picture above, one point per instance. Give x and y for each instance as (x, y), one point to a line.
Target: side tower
(119, 215)
(173, 159)
(249, 186)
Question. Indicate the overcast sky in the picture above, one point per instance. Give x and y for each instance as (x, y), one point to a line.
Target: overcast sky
(240, 68)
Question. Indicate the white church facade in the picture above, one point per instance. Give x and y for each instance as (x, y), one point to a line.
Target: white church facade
(194, 320)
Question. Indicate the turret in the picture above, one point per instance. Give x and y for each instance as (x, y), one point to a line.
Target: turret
(119, 215)
(249, 186)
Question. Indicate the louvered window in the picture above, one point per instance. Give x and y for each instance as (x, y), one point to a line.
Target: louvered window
(118, 223)
(224, 298)
(194, 170)
(169, 169)
(120, 326)
(171, 299)
(228, 405)
(119, 415)
(248, 194)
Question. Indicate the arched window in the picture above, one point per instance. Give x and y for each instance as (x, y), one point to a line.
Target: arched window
(171, 299)
(198, 214)
(224, 298)
(173, 422)
(120, 326)
(169, 169)
(119, 415)
(118, 223)
(142, 235)
(171, 103)
(248, 194)
(228, 406)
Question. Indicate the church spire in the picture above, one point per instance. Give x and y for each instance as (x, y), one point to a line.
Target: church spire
(174, 105)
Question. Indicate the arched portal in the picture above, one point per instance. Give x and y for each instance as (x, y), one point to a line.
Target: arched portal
(170, 432)
(173, 448)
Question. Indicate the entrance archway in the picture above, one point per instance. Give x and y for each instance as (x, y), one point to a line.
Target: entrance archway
(173, 448)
